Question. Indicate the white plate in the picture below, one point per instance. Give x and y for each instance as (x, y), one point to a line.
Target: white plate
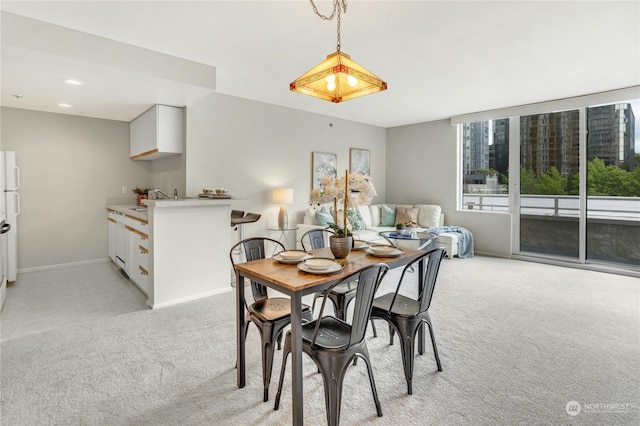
(360, 245)
(290, 261)
(387, 253)
(319, 263)
(333, 268)
(383, 249)
(292, 254)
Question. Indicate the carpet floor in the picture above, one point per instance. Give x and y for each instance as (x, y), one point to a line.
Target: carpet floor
(521, 343)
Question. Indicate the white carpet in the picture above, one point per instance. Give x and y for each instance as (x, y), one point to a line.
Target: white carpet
(518, 342)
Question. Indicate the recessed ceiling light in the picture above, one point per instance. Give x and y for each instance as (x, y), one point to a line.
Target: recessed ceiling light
(65, 105)
(74, 82)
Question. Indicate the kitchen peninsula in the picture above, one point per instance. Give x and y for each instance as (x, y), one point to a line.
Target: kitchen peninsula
(188, 248)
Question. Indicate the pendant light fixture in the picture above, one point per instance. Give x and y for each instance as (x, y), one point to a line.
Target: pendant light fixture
(338, 78)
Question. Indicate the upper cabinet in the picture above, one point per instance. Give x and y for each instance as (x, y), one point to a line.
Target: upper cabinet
(157, 133)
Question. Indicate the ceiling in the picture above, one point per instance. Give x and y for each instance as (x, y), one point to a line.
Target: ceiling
(440, 59)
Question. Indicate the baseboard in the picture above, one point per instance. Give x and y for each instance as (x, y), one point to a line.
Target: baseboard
(191, 298)
(62, 265)
(606, 268)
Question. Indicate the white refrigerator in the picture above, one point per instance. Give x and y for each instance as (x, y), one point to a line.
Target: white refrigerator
(9, 209)
(12, 210)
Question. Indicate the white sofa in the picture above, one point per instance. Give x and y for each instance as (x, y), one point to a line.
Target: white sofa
(429, 216)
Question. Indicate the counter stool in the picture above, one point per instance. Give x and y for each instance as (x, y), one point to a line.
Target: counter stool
(238, 219)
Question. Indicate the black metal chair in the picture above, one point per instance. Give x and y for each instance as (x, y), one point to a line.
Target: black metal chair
(333, 344)
(406, 315)
(270, 314)
(342, 294)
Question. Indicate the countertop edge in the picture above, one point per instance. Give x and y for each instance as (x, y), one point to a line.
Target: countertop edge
(192, 202)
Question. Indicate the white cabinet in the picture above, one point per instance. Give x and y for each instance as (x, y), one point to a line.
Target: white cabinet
(128, 242)
(139, 249)
(111, 234)
(118, 240)
(157, 133)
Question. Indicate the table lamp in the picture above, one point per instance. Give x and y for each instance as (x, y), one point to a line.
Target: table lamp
(283, 196)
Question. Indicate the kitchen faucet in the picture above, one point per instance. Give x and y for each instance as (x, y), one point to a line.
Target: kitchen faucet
(175, 194)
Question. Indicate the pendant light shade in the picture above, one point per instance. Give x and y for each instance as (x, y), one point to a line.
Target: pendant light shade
(338, 78)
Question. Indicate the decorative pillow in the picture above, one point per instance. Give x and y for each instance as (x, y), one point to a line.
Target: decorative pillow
(323, 217)
(406, 214)
(387, 215)
(355, 219)
(366, 215)
(429, 215)
(310, 216)
(374, 211)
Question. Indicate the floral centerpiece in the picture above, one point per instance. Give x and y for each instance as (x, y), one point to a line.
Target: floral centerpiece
(351, 190)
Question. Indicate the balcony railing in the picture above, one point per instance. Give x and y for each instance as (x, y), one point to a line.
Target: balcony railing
(549, 224)
(617, 208)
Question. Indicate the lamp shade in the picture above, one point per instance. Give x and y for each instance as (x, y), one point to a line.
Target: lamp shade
(283, 195)
(338, 78)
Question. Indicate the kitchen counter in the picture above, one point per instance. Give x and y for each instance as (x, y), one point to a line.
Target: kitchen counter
(190, 242)
(188, 247)
(132, 209)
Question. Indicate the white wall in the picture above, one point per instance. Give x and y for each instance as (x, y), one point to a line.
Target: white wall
(422, 167)
(69, 167)
(250, 148)
(72, 166)
(168, 173)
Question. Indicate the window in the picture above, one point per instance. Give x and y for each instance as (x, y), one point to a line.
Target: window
(485, 164)
(578, 175)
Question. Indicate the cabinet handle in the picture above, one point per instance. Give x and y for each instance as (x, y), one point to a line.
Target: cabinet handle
(4, 228)
(135, 231)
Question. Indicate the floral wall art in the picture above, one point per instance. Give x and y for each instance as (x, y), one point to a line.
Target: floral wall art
(360, 161)
(322, 164)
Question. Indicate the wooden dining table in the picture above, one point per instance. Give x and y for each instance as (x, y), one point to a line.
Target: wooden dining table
(289, 280)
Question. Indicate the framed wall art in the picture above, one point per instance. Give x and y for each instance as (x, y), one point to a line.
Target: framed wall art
(322, 164)
(360, 161)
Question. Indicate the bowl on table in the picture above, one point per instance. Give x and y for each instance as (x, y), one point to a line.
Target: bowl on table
(382, 250)
(222, 191)
(292, 255)
(319, 263)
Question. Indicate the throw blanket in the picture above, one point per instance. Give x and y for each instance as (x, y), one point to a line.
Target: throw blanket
(465, 239)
